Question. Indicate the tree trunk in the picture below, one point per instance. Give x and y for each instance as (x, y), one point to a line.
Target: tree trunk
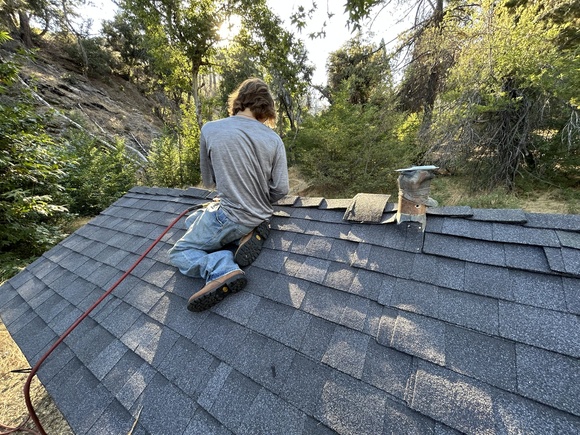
(195, 92)
(25, 32)
(434, 75)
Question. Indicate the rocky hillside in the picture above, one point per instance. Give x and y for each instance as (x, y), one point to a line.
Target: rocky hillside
(108, 107)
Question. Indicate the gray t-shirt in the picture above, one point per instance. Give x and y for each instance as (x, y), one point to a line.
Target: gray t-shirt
(246, 163)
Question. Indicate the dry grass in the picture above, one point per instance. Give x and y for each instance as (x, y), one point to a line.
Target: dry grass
(13, 411)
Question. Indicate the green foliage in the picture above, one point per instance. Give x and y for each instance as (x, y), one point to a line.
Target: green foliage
(174, 158)
(362, 65)
(504, 112)
(353, 148)
(100, 60)
(31, 174)
(96, 177)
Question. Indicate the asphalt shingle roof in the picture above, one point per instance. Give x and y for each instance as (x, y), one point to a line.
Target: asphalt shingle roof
(468, 325)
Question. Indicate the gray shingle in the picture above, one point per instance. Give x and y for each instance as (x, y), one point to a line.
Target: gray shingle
(324, 302)
(120, 319)
(339, 277)
(115, 419)
(472, 311)
(549, 378)
(387, 369)
(128, 394)
(468, 228)
(524, 416)
(143, 296)
(555, 259)
(33, 337)
(291, 333)
(187, 357)
(234, 400)
(450, 211)
(88, 340)
(343, 251)
(546, 329)
(526, 257)
(104, 361)
(54, 363)
(82, 410)
(267, 316)
(216, 382)
(347, 351)
(313, 269)
(272, 368)
(285, 289)
(350, 407)
(304, 383)
(268, 414)
(317, 338)
(315, 427)
(398, 416)
(171, 311)
(544, 291)
(572, 292)
(476, 251)
(239, 308)
(456, 400)
(489, 359)
(390, 262)
(370, 285)
(212, 331)
(487, 280)
(569, 239)
(557, 221)
(164, 408)
(330, 230)
(355, 313)
(121, 372)
(571, 259)
(500, 215)
(149, 339)
(415, 297)
(52, 307)
(342, 328)
(204, 423)
(271, 260)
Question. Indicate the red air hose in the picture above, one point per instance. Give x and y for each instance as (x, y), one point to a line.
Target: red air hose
(35, 369)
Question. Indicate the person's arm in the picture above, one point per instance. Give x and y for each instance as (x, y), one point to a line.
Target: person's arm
(279, 185)
(207, 174)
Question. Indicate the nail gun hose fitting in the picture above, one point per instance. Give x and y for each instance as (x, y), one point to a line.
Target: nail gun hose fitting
(36, 367)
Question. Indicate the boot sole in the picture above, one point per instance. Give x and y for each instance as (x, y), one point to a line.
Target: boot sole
(217, 295)
(249, 251)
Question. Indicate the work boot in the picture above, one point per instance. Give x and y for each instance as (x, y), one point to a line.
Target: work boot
(216, 290)
(251, 244)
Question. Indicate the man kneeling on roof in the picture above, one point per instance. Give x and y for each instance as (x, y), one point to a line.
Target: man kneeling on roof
(245, 160)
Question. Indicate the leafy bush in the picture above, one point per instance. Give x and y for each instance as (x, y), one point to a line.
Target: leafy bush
(174, 158)
(96, 176)
(31, 174)
(349, 149)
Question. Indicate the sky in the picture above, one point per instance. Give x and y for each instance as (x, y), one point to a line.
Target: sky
(384, 27)
(337, 33)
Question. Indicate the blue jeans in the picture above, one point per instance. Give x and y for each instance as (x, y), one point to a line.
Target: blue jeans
(199, 252)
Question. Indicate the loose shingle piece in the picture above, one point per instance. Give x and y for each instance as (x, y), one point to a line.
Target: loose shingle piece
(348, 324)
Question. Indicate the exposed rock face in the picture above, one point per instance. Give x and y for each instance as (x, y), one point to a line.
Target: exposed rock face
(108, 107)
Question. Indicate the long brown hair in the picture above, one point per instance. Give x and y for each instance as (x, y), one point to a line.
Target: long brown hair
(254, 94)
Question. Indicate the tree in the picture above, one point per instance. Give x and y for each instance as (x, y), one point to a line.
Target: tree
(510, 95)
(362, 65)
(31, 172)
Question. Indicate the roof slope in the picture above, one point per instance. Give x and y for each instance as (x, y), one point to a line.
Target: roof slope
(470, 326)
